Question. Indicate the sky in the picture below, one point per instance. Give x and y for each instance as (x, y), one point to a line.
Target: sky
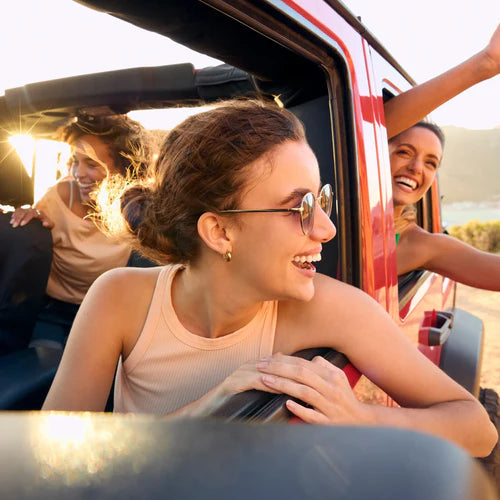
(42, 40)
(430, 36)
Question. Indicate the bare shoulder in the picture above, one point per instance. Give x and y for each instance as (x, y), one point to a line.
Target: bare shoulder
(119, 302)
(120, 276)
(335, 311)
(414, 235)
(125, 286)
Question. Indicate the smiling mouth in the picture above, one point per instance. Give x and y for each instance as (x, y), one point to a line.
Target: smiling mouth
(406, 182)
(86, 187)
(306, 261)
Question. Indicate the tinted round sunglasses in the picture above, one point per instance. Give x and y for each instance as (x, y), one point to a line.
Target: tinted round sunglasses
(305, 210)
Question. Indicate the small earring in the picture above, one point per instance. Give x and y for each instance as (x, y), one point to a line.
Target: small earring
(226, 257)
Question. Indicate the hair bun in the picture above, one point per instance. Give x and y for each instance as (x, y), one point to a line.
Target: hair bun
(132, 204)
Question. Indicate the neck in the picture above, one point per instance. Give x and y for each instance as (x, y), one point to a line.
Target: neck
(398, 210)
(209, 303)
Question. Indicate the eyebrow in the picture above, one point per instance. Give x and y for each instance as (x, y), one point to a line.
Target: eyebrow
(411, 146)
(415, 149)
(298, 193)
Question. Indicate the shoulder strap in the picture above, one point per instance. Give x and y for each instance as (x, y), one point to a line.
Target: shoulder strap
(70, 194)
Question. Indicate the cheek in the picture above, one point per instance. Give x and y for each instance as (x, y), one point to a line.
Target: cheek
(429, 178)
(272, 238)
(99, 174)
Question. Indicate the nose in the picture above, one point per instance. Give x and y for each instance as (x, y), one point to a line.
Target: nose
(324, 229)
(76, 170)
(79, 170)
(416, 165)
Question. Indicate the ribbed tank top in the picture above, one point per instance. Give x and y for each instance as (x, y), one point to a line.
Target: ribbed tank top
(170, 367)
(81, 253)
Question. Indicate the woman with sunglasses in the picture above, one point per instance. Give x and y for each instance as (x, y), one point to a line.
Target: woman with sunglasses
(237, 215)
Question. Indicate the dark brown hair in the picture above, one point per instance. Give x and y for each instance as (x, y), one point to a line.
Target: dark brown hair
(433, 128)
(203, 166)
(429, 126)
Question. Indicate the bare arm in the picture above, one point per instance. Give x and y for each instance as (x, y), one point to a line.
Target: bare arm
(106, 326)
(350, 321)
(406, 109)
(418, 249)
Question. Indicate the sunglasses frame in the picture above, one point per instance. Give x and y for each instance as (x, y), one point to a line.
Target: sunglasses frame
(300, 209)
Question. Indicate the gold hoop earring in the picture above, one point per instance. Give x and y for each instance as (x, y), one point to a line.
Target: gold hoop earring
(227, 256)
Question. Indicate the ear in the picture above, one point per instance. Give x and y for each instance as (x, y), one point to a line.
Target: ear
(214, 231)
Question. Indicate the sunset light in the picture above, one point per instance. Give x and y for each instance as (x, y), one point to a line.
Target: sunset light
(25, 147)
(47, 159)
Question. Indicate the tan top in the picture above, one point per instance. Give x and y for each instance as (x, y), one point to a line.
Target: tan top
(81, 253)
(170, 367)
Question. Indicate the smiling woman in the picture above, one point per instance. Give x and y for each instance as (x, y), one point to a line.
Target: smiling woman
(100, 148)
(415, 156)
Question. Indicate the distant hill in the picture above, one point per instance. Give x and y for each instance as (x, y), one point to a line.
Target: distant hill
(470, 170)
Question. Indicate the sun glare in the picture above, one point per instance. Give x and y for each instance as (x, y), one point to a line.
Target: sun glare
(51, 159)
(164, 119)
(46, 159)
(25, 147)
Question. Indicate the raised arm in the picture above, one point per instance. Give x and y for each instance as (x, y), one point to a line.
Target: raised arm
(350, 321)
(443, 254)
(408, 108)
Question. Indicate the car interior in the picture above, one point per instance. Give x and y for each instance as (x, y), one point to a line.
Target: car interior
(286, 65)
(293, 78)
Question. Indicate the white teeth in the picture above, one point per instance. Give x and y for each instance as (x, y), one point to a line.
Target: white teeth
(307, 258)
(406, 180)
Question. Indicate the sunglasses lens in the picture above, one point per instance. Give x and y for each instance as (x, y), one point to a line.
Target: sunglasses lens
(326, 199)
(307, 214)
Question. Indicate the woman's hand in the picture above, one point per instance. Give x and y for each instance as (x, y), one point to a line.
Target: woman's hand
(22, 216)
(245, 378)
(317, 383)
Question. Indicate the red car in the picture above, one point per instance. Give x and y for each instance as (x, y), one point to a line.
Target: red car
(322, 64)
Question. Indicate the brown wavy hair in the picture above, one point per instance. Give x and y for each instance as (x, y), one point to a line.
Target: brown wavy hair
(128, 142)
(203, 166)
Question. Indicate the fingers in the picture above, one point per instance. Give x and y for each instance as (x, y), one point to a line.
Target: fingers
(319, 373)
(22, 216)
(46, 222)
(245, 378)
(308, 415)
(317, 383)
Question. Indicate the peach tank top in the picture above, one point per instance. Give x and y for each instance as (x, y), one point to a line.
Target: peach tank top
(170, 367)
(81, 253)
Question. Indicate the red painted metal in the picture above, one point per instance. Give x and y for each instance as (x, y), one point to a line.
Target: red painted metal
(368, 73)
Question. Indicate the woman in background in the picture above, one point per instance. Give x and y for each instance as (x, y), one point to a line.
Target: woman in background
(415, 156)
(100, 147)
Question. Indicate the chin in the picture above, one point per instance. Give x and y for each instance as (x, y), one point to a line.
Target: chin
(303, 293)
